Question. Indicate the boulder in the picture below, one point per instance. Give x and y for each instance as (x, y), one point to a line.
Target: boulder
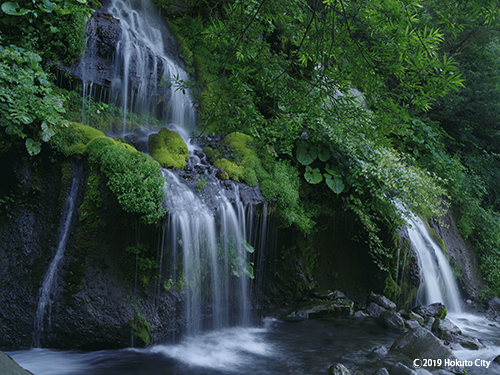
(382, 301)
(400, 369)
(494, 304)
(360, 314)
(392, 320)
(381, 371)
(410, 315)
(321, 309)
(440, 325)
(338, 369)
(434, 310)
(375, 310)
(497, 359)
(378, 353)
(421, 343)
(412, 324)
(465, 342)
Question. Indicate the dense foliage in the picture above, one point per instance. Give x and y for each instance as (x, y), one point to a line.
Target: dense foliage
(364, 99)
(29, 108)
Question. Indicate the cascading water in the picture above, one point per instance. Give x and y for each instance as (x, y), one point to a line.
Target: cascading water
(438, 281)
(44, 301)
(211, 248)
(145, 79)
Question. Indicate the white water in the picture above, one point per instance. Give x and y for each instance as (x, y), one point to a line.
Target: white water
(212, 249)
(44, 301)
(140, 55)
(438, 284)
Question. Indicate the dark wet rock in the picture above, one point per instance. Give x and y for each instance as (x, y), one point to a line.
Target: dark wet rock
(9, 367)
(338, 369)
(401, 369)
(465, 342)
(412, 324)
(361, 314)
(440, 325)
(382, 301)
(321, 293)
(497, 359)
(381, 371)
(375, 310)
(494, 304)
(320, 310)
(421, 343)
(410, 315)
(378, 353)
(434, 310)
(391, 320)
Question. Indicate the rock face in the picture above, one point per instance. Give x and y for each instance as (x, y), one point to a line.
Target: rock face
(462, 256)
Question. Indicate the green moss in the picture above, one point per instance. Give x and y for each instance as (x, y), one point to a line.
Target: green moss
(212, 155)
(168, 148)
(442, 313)
(141, 329)
(234, 171)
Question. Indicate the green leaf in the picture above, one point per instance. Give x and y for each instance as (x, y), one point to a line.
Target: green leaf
(313, 176)
(47, 132)
(335, 184)
(332, 170)
(249, 248)
(305, 155)
(33, 147)
(324, 154)
(10, 8)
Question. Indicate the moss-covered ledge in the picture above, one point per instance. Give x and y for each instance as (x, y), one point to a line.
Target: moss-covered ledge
(132, 176)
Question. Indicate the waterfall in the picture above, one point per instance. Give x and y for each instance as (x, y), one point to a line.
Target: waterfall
(146, 80)
(208, 256)
(44, 300)
(438, 281)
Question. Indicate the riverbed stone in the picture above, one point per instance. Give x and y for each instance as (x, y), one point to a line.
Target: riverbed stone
(375, 310)
(360, 314)
(465, 342)
(410, 315)
(412, 324)
(382, 301)
(421, 343)
(378, 353)
(381, 371)
(321, 309)
(434, 310)
(494, 304)
(391, 320)
(401, 369)
(440, 325)
(338, 369)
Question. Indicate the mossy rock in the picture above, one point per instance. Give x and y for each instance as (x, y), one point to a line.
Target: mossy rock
(233, 170)
(141, 329)
(168, 148)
